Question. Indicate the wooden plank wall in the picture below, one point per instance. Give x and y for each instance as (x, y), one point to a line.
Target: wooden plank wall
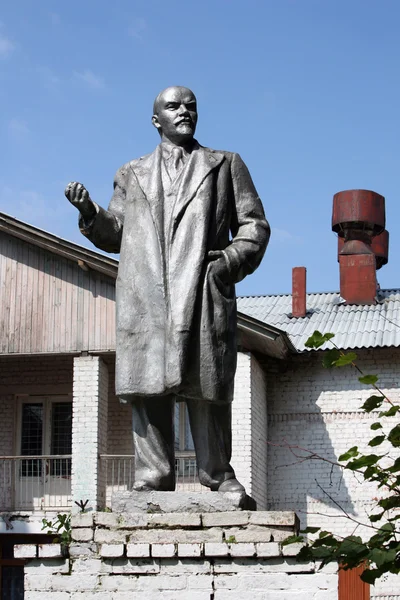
(50, 304)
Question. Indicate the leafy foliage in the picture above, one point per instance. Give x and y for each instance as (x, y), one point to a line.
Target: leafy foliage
(381, 552)
(61, 527)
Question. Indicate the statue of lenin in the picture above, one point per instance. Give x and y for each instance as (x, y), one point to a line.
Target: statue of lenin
(188, 224)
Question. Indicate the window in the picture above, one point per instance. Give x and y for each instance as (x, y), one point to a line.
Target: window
(46, 429)
(11, 573)
(183, 435)
(185, 462)
(43, 478)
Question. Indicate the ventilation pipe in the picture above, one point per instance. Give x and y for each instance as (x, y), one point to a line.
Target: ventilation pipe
(358, 216)
(299, 307)
(380, 247)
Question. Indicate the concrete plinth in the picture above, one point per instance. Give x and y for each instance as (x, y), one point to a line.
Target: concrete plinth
(187, 502)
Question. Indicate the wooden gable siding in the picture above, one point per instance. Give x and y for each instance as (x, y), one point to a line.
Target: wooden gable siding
(50, 304)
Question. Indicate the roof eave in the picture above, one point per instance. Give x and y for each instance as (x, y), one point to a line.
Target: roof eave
(256, 336)
(83, 256)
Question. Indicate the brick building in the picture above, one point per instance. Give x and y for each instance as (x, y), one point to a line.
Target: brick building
(66, 438)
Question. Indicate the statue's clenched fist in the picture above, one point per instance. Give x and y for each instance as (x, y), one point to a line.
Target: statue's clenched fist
(79, 197)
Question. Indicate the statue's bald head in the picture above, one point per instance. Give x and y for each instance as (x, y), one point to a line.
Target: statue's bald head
(175, 114)
(178, 88)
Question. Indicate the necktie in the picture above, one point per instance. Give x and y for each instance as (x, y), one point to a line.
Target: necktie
(177, 158)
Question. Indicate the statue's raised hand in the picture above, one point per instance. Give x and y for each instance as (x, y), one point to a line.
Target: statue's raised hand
(79, 197)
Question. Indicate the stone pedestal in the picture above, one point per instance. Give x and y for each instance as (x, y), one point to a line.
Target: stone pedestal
(177, 556)
(182, 502)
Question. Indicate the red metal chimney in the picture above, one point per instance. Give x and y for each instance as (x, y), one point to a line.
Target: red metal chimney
(358, 216)
(299, 307)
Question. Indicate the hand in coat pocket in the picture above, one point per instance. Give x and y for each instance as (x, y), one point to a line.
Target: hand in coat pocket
(219, 266)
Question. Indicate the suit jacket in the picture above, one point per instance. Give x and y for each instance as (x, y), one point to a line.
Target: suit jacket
(176, 320)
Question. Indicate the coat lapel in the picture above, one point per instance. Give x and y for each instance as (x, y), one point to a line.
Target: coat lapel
(202, 161)
(148, 173)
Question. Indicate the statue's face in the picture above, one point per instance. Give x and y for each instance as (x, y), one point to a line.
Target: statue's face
(176, 115)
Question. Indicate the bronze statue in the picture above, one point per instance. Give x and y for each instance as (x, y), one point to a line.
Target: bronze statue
(171, 217)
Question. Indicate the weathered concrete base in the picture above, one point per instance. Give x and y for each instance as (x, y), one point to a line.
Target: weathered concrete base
(179, 556)
(182, 502)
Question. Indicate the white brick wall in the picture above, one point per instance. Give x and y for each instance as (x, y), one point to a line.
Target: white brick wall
(259, 403)
(319, 410)
(249, 428)
(89, 430)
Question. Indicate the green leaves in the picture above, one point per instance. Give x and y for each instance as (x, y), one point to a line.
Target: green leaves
(346, 359)
(368, 379)
(330, 358)
(61, 525)
(349, 454)
(393, 410)
(310, 530)
(391, 502)
(318, 339)
(376, 425)
(372, 402)
(363, 461)
(335, 358)
(370, 575)
(376, 441)
(394, 436)
(376, 517)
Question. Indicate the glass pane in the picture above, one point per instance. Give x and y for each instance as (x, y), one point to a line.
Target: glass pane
(189, 445)
(61, 438)
(61, 428)
(31, 438)
(177, 422)
(12, 583)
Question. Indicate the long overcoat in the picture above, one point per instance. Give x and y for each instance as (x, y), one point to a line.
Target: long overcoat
(176, 319)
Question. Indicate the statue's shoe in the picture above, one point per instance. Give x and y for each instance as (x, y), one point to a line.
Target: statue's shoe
(148, 486)
(231, 485)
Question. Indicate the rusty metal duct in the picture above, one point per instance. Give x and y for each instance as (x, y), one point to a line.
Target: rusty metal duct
(380, 247)
(358, 216)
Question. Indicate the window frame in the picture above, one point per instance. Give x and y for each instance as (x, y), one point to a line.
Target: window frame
(47, 400)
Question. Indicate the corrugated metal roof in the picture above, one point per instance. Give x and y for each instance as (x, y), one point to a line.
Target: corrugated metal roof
(354, 326)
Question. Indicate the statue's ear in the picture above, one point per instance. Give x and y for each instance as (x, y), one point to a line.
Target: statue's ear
(154, 120)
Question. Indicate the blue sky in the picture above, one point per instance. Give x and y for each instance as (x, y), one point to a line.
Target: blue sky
(307, 91)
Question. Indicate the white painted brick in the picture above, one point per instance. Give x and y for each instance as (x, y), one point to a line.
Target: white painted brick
(25, 551)
(110, 536)
(267, 549)
(216, 549)
(291, 549)
(112, 550)
(189, 550)
(185, 566)
(82, 520)
(200, 582)
(242, 549)
(137, 550)
(174, 520)
(90, 566)
(82, 534)
(50, 551)
(42, 595)
(163, 550)
(47, 566)
(222, 519)
(137, 566)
